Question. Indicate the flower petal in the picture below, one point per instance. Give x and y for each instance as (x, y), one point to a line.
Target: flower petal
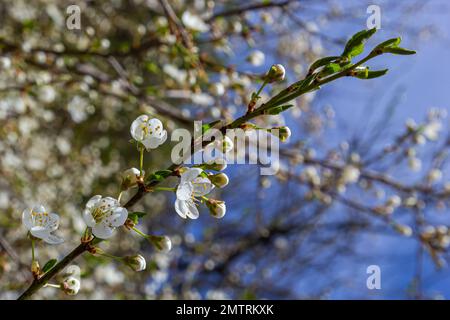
(118, 217)
(192, 210)
(93, 201)
(52, 222)
(39, 209)
(190, 174)
(27, 219)
(184, 191)
(53, 239)
(202, 186)
(136, 129)
(88, 219)
(151, 142)
(102, 231)
(40, 232)
(181, 208)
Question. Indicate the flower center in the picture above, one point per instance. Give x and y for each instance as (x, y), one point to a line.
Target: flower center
(39, 218)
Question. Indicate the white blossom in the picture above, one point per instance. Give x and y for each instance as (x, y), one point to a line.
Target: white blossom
(103, 215)
(432, 129)
(41, 224)
(190, 187)
(434, 175)
(256, 58)
(149, 132)
(350, 174)
(194, 22)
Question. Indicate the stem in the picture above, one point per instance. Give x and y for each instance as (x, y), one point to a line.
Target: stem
(141, 160)
(120, 196)
(139, 232)
(164, 189)
(32, 251)
(261, 88)
(39, 283)
(52, 285)
(105, 254)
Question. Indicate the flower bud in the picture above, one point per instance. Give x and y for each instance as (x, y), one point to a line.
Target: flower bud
(224, 145)
(218, 164)
(394, 201)
(283, 133)
(136, 262)
(403, 230)
(434, 175)
(71, 285)
(217, 208)
(162, 243)
(276, 73)
(35, 269)
(220, 180)
(130, 178)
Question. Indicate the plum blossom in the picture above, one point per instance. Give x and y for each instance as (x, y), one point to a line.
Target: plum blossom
(103, 215)
(41, 224)
(149, 132)
(191, 186)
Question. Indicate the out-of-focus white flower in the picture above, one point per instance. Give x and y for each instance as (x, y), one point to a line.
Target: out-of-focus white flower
(191, 186)
(310, 174)
(103, 215)
(403, 229)
(415, 164)
(130, 178)
(350, 174)
(394, 201)
(41, 224)
(256, 58)
(202, 99)
(434, 175)
(149, 132)
(194, 22)
(217, 208)
(218, 89)
(47, 94)
(136, 262)
(175, 73)
(432, 129)
(71, 285)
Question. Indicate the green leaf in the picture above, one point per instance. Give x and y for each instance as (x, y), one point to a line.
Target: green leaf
(322, 62)
(372, 74)
(400, 51)
(50, 264)
(208, 126)
(362, 73)
(330, 69)
(376, 73)
(389, 43)
(355, 45)
(135, 216)
(159, 175)
(278, 110)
